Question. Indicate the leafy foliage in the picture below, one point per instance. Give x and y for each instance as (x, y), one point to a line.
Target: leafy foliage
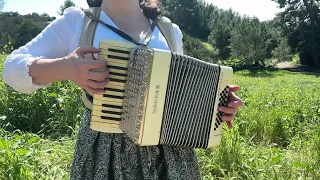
(57, 109)
(301, 24)
(283, 51)
(27, 30)
(18, 29)
(192, 16)
(243, 40)
(222, 24)
(2, 3)
(7, 48)
(276, 134)
(29, 156)
(249, 41)
(66, 4)
(54, 111)
(195, 48)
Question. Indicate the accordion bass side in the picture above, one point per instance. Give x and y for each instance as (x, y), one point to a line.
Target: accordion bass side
(159, 97)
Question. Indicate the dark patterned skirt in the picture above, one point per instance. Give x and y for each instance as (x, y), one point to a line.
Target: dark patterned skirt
(114, 156)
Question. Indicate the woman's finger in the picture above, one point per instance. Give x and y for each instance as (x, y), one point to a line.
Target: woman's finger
(234, 88)
(92, 91)
(227, 117)
(227, 110)
(98, 76)
(97, 84)
(229, 123)
(101, 69)
(235, 104)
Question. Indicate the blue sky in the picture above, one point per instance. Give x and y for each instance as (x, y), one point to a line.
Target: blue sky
(263, 9)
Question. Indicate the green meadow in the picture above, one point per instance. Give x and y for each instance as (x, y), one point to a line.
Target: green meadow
(276, 133)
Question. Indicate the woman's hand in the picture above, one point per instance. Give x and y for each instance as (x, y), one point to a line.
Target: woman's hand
(233, 104)
(91, 75)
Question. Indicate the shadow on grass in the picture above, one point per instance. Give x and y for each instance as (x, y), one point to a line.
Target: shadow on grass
(270, 72)
(304, 70)
(266, 72)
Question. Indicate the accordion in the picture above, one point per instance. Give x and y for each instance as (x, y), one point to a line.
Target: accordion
(160, 97)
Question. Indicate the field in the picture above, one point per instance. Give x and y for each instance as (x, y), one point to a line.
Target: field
(276, 134)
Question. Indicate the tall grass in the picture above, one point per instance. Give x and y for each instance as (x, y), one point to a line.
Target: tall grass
(51, 111)
(29, 156)
(276, 134)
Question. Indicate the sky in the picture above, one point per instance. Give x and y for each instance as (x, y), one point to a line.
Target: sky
(263, 9)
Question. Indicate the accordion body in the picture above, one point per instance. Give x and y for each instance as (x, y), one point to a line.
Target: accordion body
(159, 97)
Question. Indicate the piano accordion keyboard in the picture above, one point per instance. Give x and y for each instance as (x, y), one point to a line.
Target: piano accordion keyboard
(108, 107)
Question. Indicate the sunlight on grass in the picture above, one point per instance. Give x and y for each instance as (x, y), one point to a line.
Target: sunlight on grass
(208, 46)
(276, 133)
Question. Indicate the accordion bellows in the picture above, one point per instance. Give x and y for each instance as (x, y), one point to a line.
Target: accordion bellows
(159, 97)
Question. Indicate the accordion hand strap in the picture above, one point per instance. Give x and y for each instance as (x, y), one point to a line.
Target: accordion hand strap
(123, 34)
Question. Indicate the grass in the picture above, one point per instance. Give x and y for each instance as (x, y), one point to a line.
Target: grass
(208, 46)
(276, 134)
(30, 156)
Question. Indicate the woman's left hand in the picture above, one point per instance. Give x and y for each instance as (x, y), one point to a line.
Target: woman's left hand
(233, 104)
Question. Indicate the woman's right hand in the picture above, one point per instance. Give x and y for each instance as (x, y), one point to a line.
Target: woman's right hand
(91, 75)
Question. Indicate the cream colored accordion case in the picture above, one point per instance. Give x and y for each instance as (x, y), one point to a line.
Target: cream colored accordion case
(159, 97)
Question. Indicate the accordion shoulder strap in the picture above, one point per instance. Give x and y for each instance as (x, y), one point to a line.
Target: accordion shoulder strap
(88, 28)
(86, 39)
(123, 34)
(90, 23)
(166, 28)
(87, 35)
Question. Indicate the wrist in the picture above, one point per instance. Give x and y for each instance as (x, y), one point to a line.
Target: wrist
(62, 69)
(44, 71)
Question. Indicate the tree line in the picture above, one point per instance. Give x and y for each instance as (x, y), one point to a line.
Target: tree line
(249, 41)
(210, 33)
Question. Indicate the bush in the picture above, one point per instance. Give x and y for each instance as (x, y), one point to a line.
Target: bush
(8, 48)
(195, 48)
(55, 110)
(282, 53)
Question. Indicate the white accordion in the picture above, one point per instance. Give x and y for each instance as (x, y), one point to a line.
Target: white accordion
(159, 97)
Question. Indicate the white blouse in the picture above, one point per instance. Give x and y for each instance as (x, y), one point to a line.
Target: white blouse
(60, 38)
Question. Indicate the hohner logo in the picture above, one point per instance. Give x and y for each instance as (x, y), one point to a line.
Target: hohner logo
(155, 101)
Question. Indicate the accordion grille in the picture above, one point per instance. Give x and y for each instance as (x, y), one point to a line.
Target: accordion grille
(189, 103)
(138, 76)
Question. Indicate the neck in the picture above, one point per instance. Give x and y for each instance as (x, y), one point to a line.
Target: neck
(121, 8)
(128, 16)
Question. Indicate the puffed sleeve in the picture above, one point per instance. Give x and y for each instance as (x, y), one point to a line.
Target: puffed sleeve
(53, 42)
(178, 35)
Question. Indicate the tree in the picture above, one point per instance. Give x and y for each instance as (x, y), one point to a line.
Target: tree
(8, 27)
(28, 29)
(17, 29)
(194, 48)
(302, 27)
(249, 41)
(283, 51)
(65, 5)
(2, 3)
(221, 24)
(192, 16)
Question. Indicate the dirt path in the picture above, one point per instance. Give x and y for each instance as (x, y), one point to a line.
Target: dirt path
(285, 65)
(297, 68)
